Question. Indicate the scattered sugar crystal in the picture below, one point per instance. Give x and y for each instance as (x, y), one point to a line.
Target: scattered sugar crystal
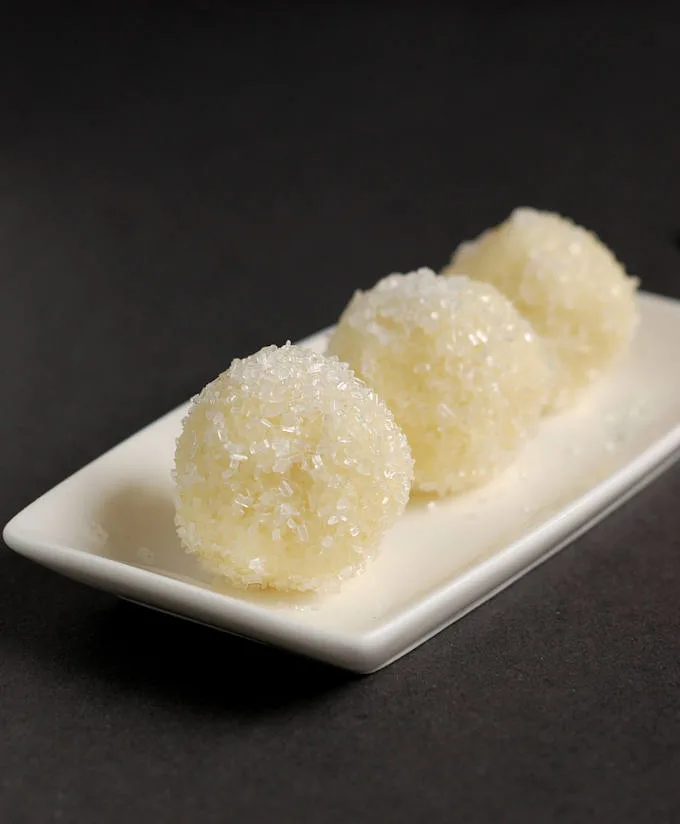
(566, 282)
(487, 379)
(145, 555)
(283, 498)
(98, 532)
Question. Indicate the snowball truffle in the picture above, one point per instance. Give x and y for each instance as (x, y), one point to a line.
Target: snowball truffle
(566, 282)
(462, 371)
(288, 471)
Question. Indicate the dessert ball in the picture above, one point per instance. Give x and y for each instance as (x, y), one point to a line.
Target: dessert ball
(566, 283)
(464, 374)
(288, 471)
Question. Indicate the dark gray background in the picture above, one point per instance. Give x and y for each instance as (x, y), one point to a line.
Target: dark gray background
(181, 187)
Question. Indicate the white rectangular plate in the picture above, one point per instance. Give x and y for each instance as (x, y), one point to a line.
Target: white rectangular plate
(111, 524)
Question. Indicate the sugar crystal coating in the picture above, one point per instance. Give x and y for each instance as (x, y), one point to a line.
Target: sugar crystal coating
(462, 371)
(288, 471)
(566, 282)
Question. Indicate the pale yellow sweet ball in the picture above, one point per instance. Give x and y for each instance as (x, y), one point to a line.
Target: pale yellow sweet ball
(288, 472)
(566, 282)
(462, 371)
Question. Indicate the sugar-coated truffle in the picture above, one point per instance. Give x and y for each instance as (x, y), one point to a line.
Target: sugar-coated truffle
(566, 282)
(288, 472)
(464, 374)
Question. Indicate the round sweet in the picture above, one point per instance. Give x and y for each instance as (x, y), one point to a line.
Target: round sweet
(566, 282)
(288, 471)
(462, 371)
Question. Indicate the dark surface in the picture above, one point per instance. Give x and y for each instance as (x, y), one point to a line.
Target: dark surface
(180, 188)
